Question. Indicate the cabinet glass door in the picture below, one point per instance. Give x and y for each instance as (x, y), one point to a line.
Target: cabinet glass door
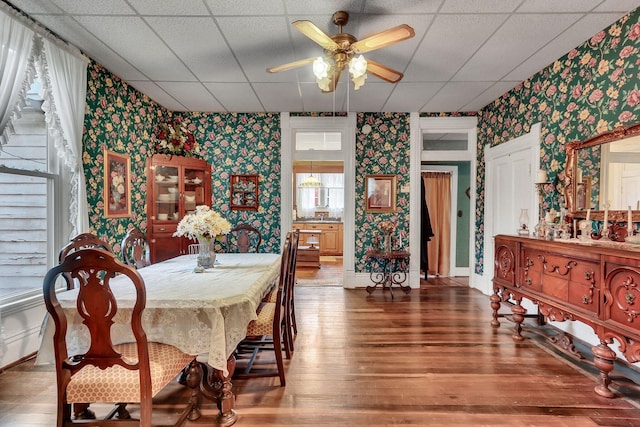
(193, 189)
(167, 193)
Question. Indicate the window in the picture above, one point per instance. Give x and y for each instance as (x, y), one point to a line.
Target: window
(444, 141)
(325, 141)
(327, 200)
(28, 177)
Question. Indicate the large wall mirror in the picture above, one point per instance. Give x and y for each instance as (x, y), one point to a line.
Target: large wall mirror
(605, 170)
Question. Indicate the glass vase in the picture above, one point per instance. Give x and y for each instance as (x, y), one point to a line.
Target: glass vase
(387, 242)
(206, 252)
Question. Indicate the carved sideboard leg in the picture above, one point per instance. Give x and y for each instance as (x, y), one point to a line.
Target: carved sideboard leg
(603, 358)
(518, 317)
(495, 306)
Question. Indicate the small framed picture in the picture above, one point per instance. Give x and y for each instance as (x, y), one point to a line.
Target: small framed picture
(117, 185)
(380, 191)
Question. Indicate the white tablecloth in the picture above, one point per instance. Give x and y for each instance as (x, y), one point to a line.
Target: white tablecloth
(196, 312)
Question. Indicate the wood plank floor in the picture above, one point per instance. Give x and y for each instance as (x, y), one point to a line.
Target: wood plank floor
(429, 358)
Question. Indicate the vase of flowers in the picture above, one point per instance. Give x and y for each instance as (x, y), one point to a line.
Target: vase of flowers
(174, 138)
(387, 228)
(203, 225)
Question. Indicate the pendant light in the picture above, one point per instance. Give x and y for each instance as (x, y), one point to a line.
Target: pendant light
(311, 181)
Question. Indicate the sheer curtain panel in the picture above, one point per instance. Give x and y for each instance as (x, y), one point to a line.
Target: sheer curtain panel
(16, 69)
(64, 93)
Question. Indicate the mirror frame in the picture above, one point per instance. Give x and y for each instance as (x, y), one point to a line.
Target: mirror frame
(572, 167)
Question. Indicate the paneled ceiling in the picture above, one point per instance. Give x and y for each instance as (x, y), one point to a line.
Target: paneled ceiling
(212, 55)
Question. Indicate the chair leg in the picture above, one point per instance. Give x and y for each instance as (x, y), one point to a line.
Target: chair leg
(277, 337)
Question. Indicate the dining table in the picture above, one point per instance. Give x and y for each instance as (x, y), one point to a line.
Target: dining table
(200, 313)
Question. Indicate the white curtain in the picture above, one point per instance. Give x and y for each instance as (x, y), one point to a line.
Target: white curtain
(64, 79)
(16, 69)
(332, 193)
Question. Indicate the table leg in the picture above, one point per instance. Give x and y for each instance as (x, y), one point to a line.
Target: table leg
(216, 386)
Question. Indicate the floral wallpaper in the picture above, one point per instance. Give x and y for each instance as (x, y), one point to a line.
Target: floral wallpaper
(120, 119)
(243, 143)
(590, 90)
(384, 150)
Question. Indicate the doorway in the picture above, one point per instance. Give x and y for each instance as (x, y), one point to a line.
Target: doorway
(344, 153)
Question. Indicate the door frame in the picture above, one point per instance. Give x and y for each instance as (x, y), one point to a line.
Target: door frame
(419, 125)
(453, 169)
(289, 125)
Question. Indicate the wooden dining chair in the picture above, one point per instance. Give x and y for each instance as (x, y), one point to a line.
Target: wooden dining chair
(243, 238)
(119, 374)
(290, 326)
(135, 249)
(82, 241)
(268, 331)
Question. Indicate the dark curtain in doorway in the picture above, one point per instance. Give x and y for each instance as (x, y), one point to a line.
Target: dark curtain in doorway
(426, 232)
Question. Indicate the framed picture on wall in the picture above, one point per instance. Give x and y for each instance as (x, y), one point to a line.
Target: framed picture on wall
(117, 185)
(380, 193)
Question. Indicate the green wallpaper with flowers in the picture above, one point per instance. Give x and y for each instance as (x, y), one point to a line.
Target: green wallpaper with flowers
(120, 119)
(384, 150)
(243, 143)
(592, 89)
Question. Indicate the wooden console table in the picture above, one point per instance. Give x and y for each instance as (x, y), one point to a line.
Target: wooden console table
(388, 268)
(596, 283)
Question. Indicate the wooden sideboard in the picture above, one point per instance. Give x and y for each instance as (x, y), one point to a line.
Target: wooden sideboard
(597, 284)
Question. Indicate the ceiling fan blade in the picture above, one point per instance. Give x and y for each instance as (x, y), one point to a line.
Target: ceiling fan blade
(310, 30)
(384, 72)
(383, 38)
(291, 65)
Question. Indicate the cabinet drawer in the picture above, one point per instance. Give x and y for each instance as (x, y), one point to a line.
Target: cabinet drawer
(164, 228)
(584, 297)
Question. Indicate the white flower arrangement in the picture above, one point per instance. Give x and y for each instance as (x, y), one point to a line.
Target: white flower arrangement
(204, 223)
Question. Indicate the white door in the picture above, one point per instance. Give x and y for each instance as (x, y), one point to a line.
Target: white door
(511, 171)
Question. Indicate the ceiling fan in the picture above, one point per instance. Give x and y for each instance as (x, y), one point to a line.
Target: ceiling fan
(341, 50)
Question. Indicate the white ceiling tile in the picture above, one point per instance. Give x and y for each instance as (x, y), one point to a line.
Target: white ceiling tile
(451, 40)
(321, 9)
(35, 6)
(314, 100)
(618, 6)
(411, 96)
(155, 92)
(151, 55)
(95, 7)
(245, 7)
(279, 96)
(67, 28)
(512, 44)
(236, 97)
(488, 96)
(392, 7)
(168, 7)
(549, 6)
(259, 43)
(475, 6)
(557, 48)
(454, 96)
(211, 61)
(194, 96)
(370, 97)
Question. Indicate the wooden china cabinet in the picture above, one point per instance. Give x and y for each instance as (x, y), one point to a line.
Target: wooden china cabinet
(175, 186)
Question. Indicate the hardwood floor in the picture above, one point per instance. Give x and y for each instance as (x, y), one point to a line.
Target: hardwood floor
(427, 358)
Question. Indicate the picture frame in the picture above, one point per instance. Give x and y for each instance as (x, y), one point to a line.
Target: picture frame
(117, 185)
(380, 193)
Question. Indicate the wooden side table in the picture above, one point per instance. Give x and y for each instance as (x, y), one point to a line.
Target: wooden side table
(388, 268)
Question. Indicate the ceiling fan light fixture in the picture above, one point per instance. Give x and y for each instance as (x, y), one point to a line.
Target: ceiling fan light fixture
(358, 70)
(321, 68)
